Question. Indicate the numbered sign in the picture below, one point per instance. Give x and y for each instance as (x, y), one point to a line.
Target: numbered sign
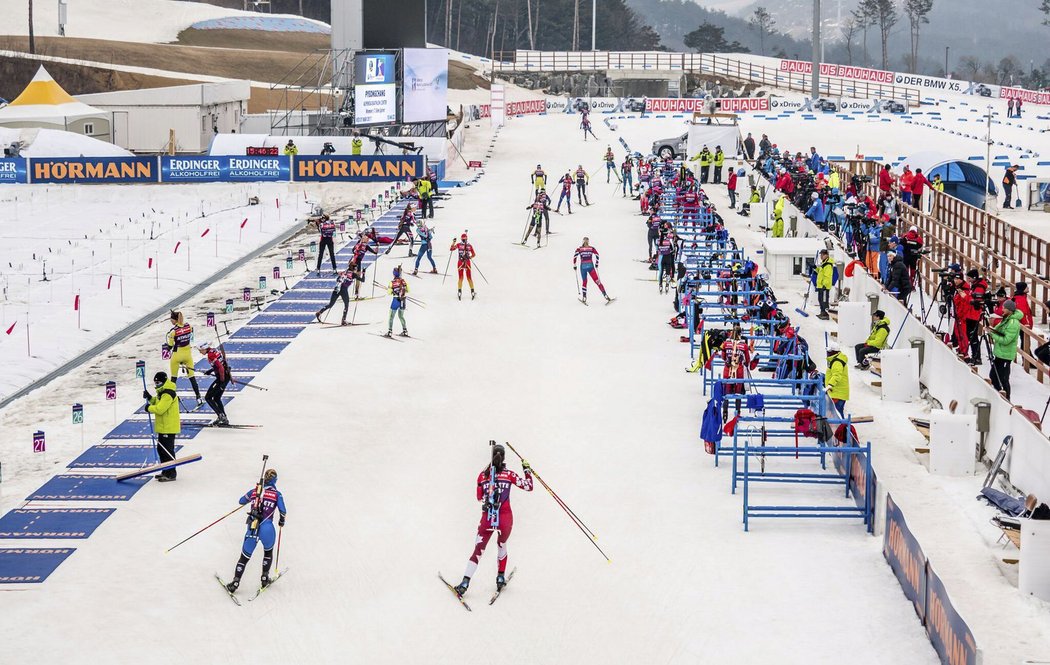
(302, 254)
(111, 390)
(39, 445)
(277, 272)
(342, 226)
(165, 352)
(229, 305)
(210, 320)
(380, 200)
(246, 295)
(262, 282)
(140, 369)
(288, 263)
(359, 215)
(78, 414)
(373, 204)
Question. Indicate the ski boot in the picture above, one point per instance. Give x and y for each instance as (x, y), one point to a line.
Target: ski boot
(500, 582)
(317, 315)
(223, 420)
(265, 580)
(200, 401)
(411, 253)
(607, 298)
(433, 271)
(473, 294)
(461, 588)
(389, 333)
(415, 272)
(232, 586)
(404, 333)
(584, 299)
(459, 294)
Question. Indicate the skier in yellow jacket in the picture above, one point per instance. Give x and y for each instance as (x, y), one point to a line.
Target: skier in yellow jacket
(180, 339)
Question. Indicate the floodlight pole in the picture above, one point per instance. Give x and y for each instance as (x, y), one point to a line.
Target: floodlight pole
(594, 23)
(815, 92)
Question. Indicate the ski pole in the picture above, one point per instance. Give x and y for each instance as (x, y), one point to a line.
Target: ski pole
(576, 520)
(577, 273)
(479, 272)
(205, 528)
(150, 416)
(447, 263)
(277, 554)
(247, 385)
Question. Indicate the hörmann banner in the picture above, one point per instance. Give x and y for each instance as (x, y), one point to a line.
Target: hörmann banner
(905, 556)
(346, 168)
(93, 169)
(13, 171)
(950, 636)
(223, 168)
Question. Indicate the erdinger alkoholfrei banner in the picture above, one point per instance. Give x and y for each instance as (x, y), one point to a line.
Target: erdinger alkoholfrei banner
(225, 168)
(346, 168)
(905, 556)
(93, 169)
(13, 171)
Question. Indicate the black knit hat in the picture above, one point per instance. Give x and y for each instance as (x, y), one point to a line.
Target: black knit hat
(1021, 287)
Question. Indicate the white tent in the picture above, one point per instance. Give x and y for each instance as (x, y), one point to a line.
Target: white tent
(45, 104)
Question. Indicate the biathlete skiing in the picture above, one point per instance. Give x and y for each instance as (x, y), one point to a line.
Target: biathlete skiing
(588, 257)
(493, 490)
(465, 252)
(265, 500)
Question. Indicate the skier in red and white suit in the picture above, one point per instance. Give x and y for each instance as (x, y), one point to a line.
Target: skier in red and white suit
(465, 252)
(736, 356)
(500, 500)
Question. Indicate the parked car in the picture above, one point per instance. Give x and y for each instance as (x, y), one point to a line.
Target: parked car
(671, 147)
(891, 106)
(983, 90)
(825, 105)
(634, 105)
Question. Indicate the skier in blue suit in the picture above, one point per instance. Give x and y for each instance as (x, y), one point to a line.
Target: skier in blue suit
(260, 527)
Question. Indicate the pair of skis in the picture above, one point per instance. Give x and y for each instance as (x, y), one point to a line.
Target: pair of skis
(463, 602)
(236, 600)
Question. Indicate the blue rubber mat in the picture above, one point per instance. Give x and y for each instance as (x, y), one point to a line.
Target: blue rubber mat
(282, 319)
(30, 565)
(237, 366)
(52, 523)
(307, 295)
(252, 348)
(75, 487)
(267, 332)
(292, 307)
(109, 456)
(140, 429)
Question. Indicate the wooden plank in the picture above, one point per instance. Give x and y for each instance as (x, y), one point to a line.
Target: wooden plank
(857, 420)
(179, 461)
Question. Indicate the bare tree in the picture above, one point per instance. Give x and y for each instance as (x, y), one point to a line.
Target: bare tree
(1044, 7)
(576, 26)
(1009, 68)
(865, 19)
(762, 22)
(970, 64)
(917, 12)
(850, 27)
(528, 22)
(885, 16)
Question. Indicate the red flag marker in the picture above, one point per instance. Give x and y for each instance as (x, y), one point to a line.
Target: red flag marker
(150, 264)
(12, 327)
(244, 222)
(76, 303)
(205, 232)
(177, 247)
(109, 282)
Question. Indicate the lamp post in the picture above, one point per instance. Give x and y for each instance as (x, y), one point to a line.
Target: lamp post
(594, 23)
(946, 61)
(815, 83)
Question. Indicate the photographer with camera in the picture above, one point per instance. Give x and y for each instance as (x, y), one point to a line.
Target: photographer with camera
(913, 250)
(818, 212)
(980, 304)
(871, 232)
(889, 230)
(898, 282)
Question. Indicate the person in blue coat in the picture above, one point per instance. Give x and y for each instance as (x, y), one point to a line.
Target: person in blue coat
(426, 247)
(814, 160)
(818, 211)
(260, 527)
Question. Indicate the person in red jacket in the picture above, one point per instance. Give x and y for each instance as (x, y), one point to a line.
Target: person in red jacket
(885, 179)
(496, 514)
(465, 252)
(220, 369)
(918, 183)
(978, 287)
(1020, 298)
(731, 188)
(906, 181)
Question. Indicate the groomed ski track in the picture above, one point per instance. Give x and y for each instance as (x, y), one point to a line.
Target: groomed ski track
(378, 447)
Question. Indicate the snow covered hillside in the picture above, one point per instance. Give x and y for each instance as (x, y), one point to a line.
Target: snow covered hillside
(123, 20)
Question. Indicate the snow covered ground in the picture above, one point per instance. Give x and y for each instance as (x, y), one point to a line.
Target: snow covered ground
(148, 21)
(125, 250)
(378, 444)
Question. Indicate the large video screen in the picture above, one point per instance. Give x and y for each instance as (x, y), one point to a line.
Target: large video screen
(425, 84)
(390, 24)
(375, 89)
